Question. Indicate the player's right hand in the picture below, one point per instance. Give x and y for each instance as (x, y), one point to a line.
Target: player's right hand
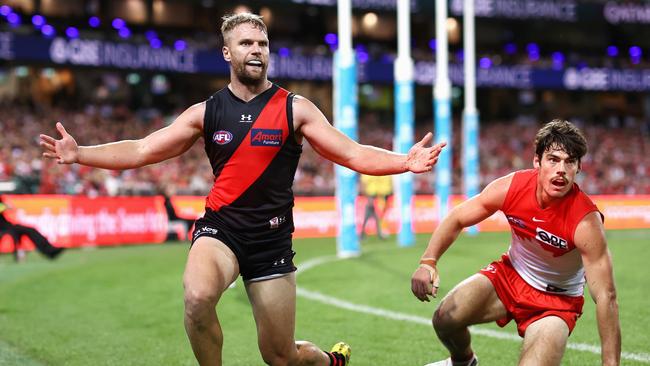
(425, 282)
(65, 150)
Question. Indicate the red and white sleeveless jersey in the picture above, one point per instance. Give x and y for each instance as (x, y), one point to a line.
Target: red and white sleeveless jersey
(542, 250)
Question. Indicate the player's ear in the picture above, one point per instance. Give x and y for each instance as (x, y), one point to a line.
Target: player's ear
(536, 162)
(226, 53)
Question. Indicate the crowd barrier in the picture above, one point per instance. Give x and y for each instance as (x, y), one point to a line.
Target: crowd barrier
(74, 221)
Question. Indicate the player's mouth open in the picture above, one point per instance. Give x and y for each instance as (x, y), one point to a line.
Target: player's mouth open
(559, 182)
(255, 63)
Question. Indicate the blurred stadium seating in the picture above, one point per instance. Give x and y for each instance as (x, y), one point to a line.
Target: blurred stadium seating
(559, 51)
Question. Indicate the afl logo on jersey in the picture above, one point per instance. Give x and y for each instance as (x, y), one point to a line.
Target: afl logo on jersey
(222, 137)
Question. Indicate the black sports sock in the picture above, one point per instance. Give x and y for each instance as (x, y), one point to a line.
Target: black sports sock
(336, 359)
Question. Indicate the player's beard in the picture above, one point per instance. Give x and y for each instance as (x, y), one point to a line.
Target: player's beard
(250, 78)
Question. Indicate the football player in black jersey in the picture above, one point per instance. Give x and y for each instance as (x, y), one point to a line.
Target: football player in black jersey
(221, 250)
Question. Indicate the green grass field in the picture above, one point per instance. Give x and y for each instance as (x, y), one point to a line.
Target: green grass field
(123, 306)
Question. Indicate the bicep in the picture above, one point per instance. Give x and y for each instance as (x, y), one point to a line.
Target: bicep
(329, 142)
(176, 138)
(482, 206)
(589, 239)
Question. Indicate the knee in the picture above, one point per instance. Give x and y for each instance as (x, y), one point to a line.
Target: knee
(299, 353)
(198, 302)
(277, 357)
(443, 318)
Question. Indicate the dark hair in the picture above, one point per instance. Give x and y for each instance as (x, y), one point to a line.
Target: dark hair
(231, 21)
(562, 135)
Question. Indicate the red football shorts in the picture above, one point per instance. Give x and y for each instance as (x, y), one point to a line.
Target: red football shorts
(526, 304)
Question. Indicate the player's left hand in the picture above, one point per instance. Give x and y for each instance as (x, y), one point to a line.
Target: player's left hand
(420, 158)
(425, 282)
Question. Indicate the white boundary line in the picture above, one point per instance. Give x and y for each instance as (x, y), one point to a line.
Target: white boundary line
(388, 314)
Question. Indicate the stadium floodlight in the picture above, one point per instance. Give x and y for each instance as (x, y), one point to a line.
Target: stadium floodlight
(48, 30)
(118, 23)
(558, 60)
(155, 43)
(94, 22)
(38, 21)
(151, 34)
(635, 51)
(284, 52)
(72, 32)
(13, 19)
(331, 39)
(5, 10)
(432, 44)
(484, 63)
(180, 45)
(612, 51)
(124, 32)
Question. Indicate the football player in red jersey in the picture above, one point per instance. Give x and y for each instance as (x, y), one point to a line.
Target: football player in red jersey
(558, 240)
(253, 131)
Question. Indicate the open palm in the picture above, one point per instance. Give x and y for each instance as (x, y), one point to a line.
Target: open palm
(65, 150)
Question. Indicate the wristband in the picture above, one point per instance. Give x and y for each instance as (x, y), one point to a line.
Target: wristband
(430, 261)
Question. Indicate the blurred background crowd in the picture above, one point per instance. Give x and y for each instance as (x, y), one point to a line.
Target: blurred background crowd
(105, 103)
(617, 162)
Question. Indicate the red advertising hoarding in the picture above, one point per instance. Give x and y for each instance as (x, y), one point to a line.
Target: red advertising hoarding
(73, 221)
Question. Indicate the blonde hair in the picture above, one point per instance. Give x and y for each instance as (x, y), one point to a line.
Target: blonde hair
(231, 21)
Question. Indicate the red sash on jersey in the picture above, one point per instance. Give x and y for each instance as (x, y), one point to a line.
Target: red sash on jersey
(252, 156)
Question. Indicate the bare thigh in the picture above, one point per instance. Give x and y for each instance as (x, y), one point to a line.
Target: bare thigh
(544, 342)
(274, 308)
(472, 301)
(211, 267)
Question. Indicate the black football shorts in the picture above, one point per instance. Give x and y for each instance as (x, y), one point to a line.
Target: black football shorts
(259, 259)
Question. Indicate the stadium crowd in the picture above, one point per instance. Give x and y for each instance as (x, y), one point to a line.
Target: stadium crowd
(617, 158)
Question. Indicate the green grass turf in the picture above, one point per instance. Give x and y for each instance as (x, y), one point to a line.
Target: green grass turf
(123, 306)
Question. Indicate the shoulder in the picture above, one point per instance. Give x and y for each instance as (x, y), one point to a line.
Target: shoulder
(194, 115)
(500, 185)
(494, 194)
(590, 232)
(302, 104)
(305, 112)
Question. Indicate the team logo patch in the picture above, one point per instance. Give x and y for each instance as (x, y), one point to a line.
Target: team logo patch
(222, 137)
(551, 239)
(277, 221)
(266, 137)
(516, 221)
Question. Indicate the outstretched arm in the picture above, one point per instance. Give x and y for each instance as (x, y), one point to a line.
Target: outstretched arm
(425, 280)
(160, 145)
(335, 146)
(590, 240)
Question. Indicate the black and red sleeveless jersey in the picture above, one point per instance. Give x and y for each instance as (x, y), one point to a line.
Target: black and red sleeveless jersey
(254, 155)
